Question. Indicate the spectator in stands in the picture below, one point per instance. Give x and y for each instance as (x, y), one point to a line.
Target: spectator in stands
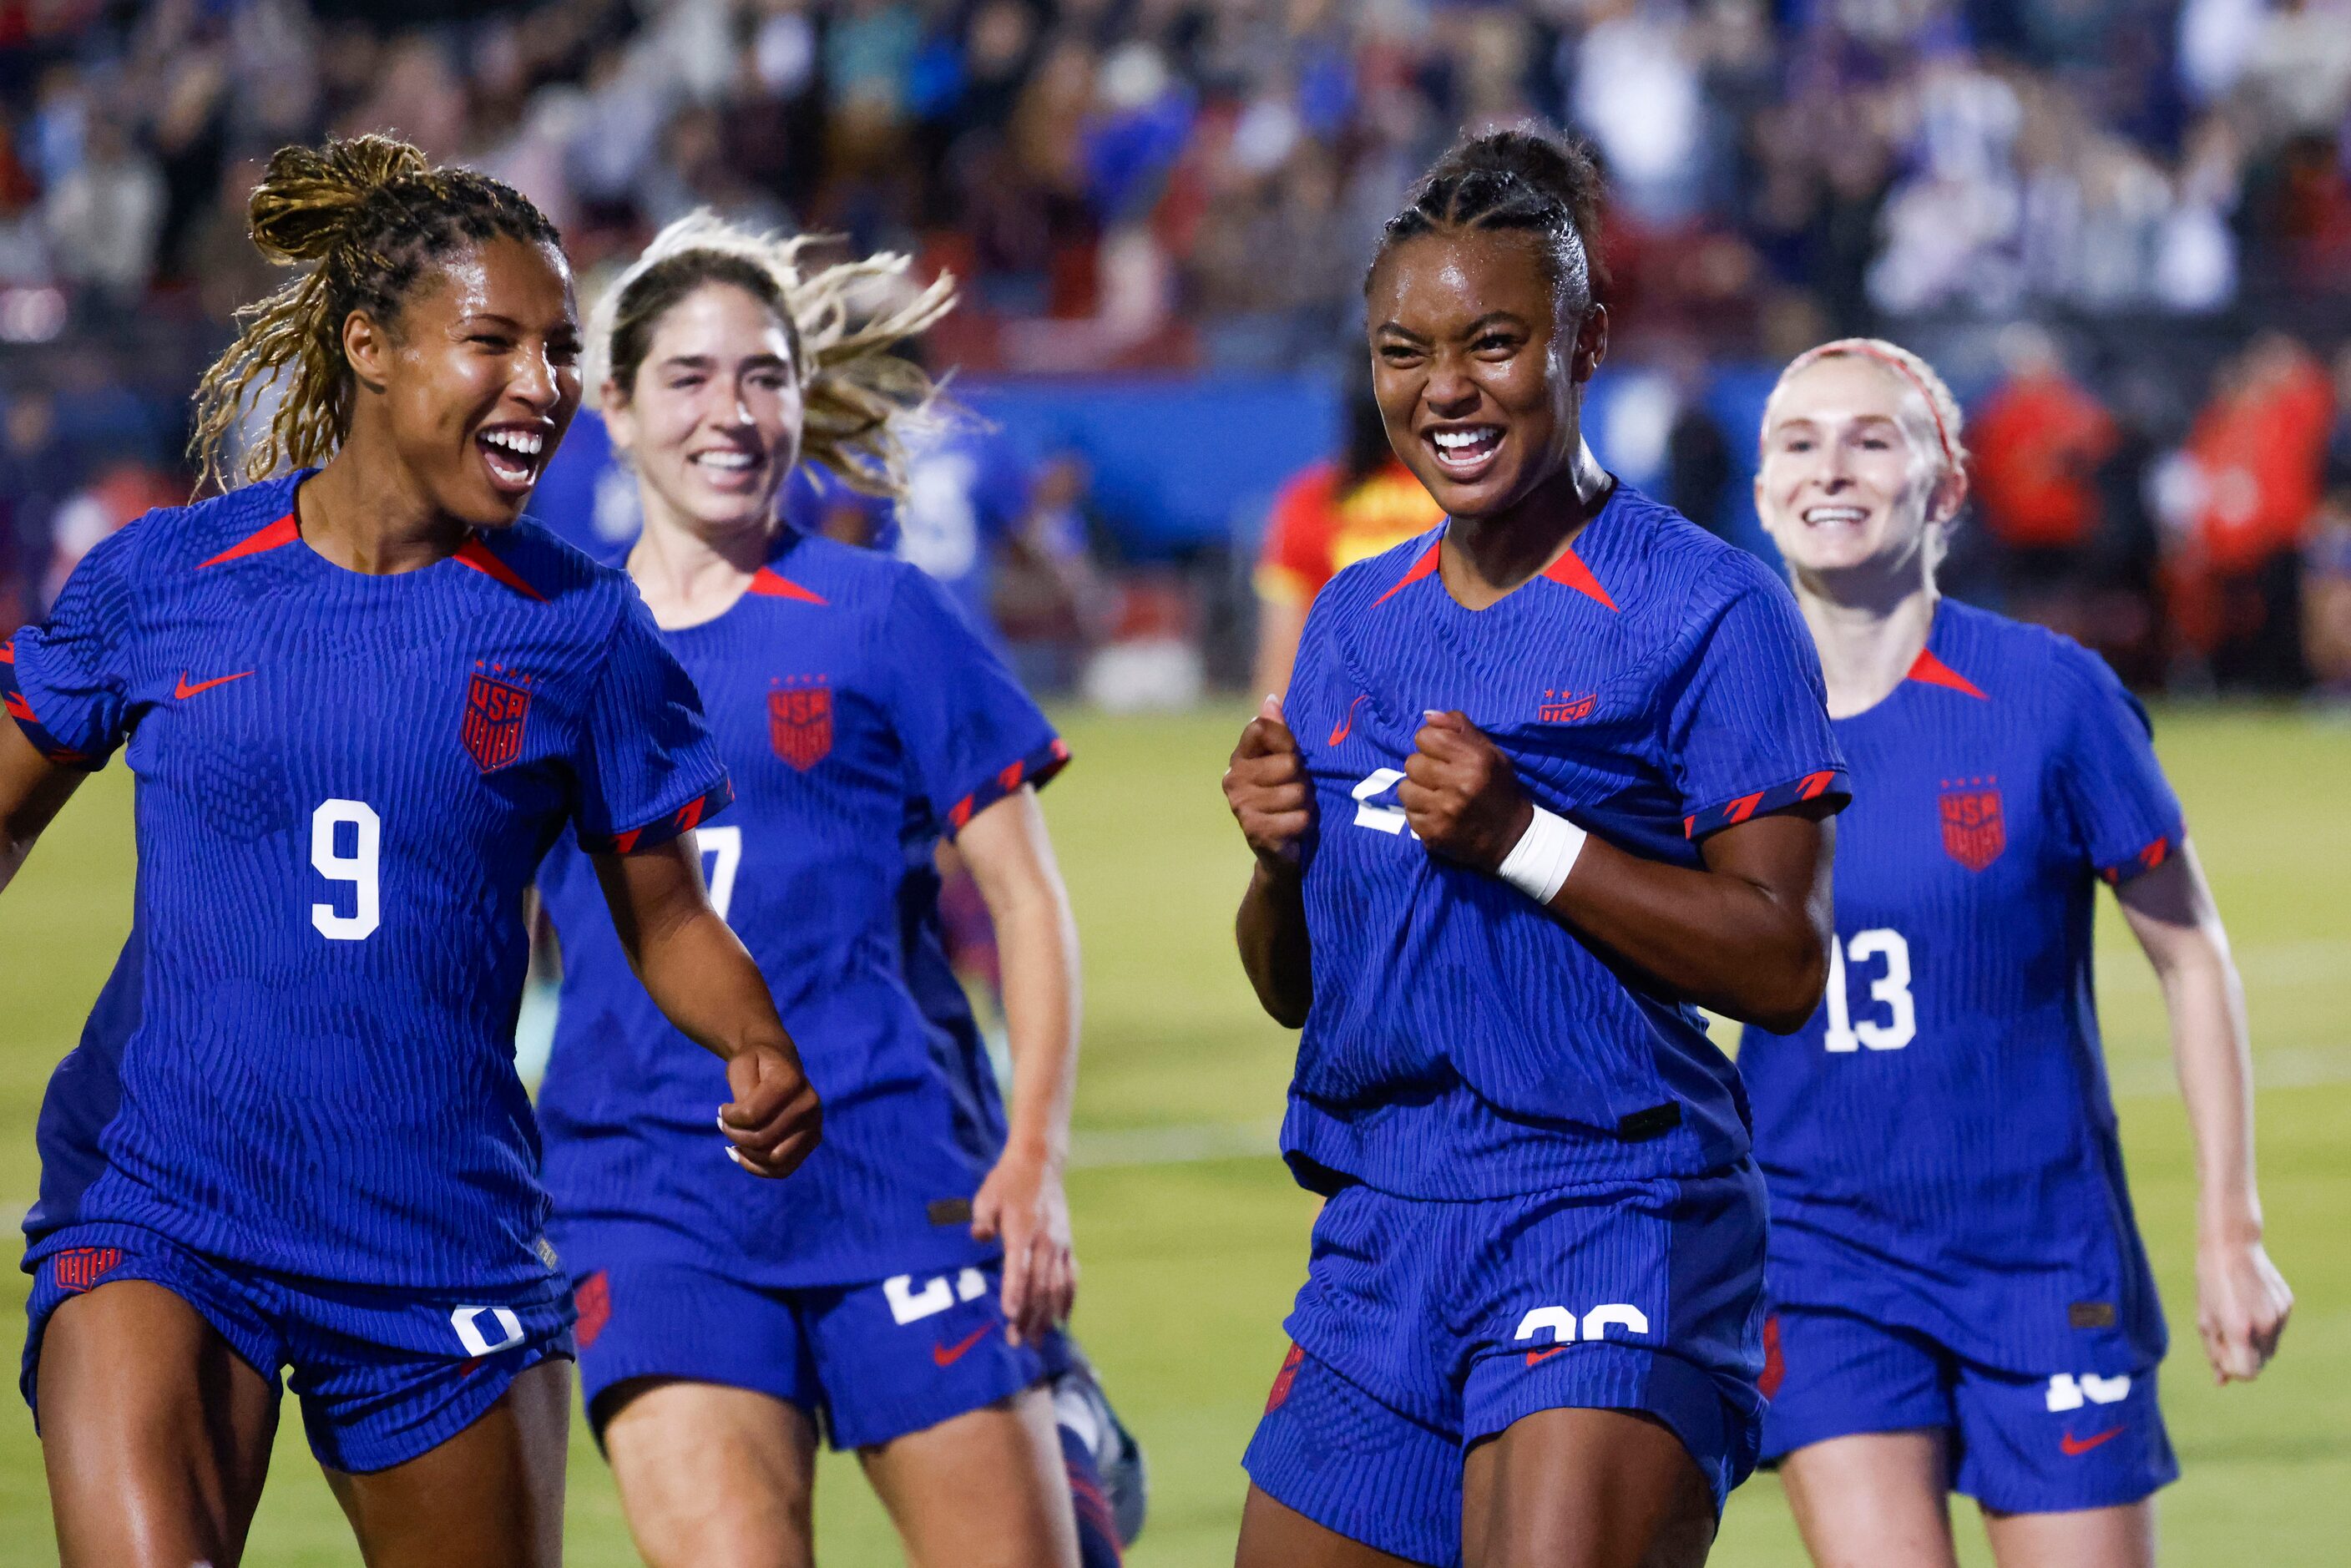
(1330, 516)
(2039, 441)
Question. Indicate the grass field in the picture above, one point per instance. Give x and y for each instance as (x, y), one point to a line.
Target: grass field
(1193, 1239)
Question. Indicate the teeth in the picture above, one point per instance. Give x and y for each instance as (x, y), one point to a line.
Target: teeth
(1835, 514)
(525, 443)
(731, 460)
(1455, 439)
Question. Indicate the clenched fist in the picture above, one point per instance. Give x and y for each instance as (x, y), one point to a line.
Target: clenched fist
(1461, 795)
(1267, 788)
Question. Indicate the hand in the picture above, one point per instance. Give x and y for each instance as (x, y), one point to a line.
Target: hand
(1022, 1202)
(774, 1122)
(1461, 795)
(1267, 788)
(2241, 1305)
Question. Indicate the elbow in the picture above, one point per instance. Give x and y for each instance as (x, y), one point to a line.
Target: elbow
(1289, 1012)
(1786, 988)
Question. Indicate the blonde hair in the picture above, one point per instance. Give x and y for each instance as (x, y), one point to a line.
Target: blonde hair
(859, 398)
(1943, 424)
(371, 213)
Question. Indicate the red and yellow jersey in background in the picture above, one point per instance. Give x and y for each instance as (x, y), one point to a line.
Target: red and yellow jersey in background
(1315, 530)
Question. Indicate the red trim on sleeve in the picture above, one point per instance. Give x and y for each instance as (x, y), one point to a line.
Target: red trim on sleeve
(282, 532)
(1763, 802)
(1037, 768)
(684, 820)
(2145, 861)
(1928, 670)
(1420, 569)
(1570, 571)
(477, 554)
(769, 583)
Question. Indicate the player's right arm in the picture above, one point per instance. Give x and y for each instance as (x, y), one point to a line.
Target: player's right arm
(33, 790)
(697, 972)
(1267, 788)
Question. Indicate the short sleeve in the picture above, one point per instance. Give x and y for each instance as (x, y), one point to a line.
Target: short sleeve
(971, 735)
(1748, 733)
(648, 769)
(65, 682)
(1294, 562)
(2124, 817)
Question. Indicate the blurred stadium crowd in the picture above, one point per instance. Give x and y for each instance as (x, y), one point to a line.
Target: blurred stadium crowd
(2123, 228)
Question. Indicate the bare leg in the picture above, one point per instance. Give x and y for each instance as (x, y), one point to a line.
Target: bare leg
(1875, 1500)
(982, 1490)
(155, 1436)
(1275, 1535)
(2089, 1538)
(712, 1477)
(1585, 1489)
(490, 1497)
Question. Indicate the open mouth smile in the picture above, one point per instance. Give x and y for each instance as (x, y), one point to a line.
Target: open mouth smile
(514, 453)
(1464, 452)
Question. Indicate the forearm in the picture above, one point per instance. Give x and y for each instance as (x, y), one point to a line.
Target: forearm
(1038, 939)
(1270, 931)
(2211, 1052)
(698, 973)
(1724, 941)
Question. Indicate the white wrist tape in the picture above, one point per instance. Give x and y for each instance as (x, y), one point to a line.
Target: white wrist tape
(1538, 862)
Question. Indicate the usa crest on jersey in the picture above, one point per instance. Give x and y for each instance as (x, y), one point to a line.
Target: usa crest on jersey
(1974, 832)
(495, 707)
(799, 722)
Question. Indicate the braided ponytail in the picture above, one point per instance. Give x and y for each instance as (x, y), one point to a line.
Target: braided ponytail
(1523, 179)
(367, 214)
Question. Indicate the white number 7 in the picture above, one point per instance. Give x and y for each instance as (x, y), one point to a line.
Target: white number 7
(358, 868)
(725, 846)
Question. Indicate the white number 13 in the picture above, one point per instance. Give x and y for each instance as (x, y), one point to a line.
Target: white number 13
(1891, 991)
(358, 868)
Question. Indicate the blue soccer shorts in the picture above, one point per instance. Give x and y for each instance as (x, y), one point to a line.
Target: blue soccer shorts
(384, 1376)
(1425, 1327)
(871, 1362)
(2043, 1443)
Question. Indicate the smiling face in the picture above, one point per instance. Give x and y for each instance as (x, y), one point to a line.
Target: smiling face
(479, 375)
(1478, 379)
(1853, 476)
(712, 419)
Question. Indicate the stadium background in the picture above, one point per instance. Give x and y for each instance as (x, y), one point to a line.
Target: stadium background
(2124, 230)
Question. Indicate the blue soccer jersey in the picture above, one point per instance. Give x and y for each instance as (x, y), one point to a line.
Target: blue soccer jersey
(1938, 1141)
(1652, 686)
(861, 719)
(345, 782)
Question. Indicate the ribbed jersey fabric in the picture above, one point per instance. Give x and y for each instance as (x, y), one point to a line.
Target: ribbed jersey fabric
(1939, 1142)
(344, 784)
(1652, 686)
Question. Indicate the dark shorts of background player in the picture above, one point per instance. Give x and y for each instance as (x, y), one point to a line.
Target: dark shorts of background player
(384, 1376)
(1425, 1327)
(871, 1362)
(2051, 1443)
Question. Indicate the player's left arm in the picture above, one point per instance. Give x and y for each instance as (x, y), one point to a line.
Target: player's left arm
(33, 791)
(698, 973)
(2242, 1300)
(1022, 1201)
(1745, 935)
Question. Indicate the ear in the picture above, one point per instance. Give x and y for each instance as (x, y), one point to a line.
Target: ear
(368, 349)
(1949, 495)
(1591, 344)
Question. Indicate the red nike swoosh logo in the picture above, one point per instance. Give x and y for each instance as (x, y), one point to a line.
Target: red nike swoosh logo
(948, 1354)
(1347, 724)
(1535, 1356)
(2074, 1446)
(185, 691)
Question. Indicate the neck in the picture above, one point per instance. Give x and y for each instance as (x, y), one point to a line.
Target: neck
(689, 575)
(1484, 558)
(1868, 638)
(365, 512)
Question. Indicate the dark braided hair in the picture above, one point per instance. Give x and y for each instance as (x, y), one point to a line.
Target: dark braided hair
(373, 214)
(1524, 178)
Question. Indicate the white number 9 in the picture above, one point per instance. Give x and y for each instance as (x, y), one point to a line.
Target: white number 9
(358, 868)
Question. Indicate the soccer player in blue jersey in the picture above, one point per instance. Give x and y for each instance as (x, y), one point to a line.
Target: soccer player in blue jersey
(361, 700)
(902, 1294)
(1959, 1300)
(1545, 781)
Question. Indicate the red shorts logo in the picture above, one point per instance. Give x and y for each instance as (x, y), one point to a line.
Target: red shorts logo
(1775, 1366)
(1974, 832)
(595, 1301)
(494, 711)
(1283, 1379)
(800, 721)
(76, 1268)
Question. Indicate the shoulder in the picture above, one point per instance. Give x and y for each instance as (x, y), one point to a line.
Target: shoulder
(1663, 557)
(2046, 672)
(172, 540)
